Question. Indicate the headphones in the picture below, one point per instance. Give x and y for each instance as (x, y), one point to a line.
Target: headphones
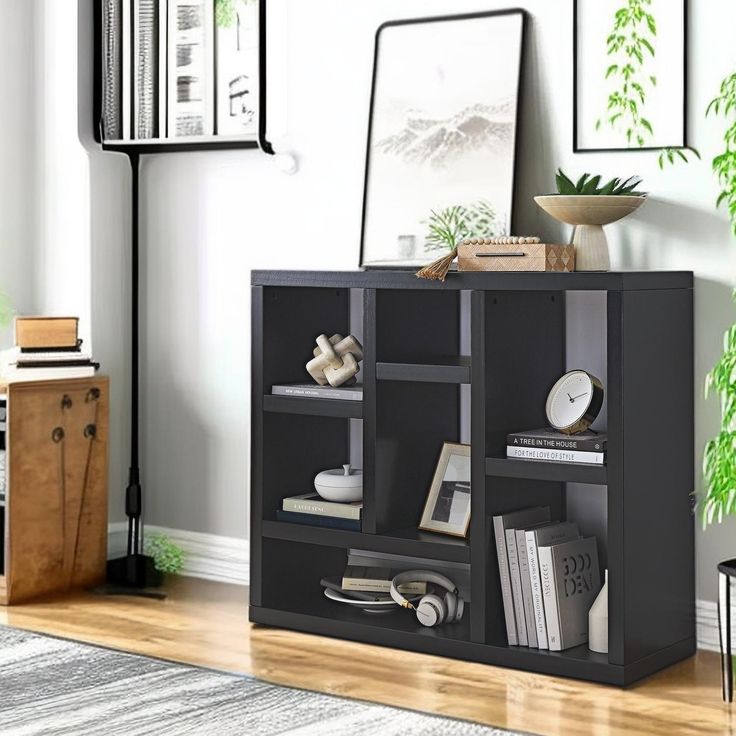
(432, 610)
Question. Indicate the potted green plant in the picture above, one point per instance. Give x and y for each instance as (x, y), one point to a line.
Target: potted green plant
(168, 557)
(588, 206)
(719, 458)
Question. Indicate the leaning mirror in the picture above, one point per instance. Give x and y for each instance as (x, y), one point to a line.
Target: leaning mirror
(442, 133)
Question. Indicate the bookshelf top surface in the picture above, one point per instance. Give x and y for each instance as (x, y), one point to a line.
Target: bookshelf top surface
(486, 281)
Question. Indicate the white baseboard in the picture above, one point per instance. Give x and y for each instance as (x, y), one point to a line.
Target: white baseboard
(227, 560)
(208, 556)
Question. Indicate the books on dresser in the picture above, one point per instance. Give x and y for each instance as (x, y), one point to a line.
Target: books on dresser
(502, 522)
(571, 581)
(47, 349)
(551, 446)
(377, 580)
(315, 391)
(555, 533)
(312, 509)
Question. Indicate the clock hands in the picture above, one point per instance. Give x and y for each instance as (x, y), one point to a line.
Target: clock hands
(573, 398)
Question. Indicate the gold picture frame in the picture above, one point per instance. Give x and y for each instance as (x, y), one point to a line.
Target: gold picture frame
(447, 509)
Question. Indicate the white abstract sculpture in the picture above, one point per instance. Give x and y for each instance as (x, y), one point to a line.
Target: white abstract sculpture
(335, 360)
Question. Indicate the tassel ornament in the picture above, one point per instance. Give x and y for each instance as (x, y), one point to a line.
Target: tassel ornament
(437, 270)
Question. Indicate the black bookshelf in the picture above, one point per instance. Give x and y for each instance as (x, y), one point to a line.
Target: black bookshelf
(412, 377)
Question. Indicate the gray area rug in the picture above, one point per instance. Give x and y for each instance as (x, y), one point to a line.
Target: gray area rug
(54, 686)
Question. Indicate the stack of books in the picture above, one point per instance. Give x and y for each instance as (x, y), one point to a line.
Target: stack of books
(312, 509)
(47, 349)
(552, 446)
(549, 579)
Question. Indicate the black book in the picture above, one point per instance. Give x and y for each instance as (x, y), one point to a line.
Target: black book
(550, 439)
(335, 522)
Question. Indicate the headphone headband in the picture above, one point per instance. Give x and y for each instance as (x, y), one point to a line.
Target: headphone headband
(419, 576)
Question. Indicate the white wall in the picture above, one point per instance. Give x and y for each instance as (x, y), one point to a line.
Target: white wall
(211, 217)
(17, 157)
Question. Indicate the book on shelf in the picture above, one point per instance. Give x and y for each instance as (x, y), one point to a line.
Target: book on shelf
(571, 581)
(549, 439)
(502, 522)
(556, 456)
(332, 522)
(146, 38)
(334, 582)
(564, 531)
(377, 580)
(315, 391)
(313, 503)
(521, 585)
(46, 332)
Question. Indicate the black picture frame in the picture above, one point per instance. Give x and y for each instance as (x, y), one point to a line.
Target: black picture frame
(525, 19)
(576, 147)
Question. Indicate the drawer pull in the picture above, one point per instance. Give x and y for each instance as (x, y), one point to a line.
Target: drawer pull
(517, 254)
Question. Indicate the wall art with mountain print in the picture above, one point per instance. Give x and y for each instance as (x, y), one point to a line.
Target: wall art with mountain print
(442, 130)
(630, 74)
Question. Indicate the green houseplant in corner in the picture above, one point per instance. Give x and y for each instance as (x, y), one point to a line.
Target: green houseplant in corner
(168, 558)
(719, 458)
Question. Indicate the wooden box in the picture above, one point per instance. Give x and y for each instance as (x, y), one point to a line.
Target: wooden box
(516, 257)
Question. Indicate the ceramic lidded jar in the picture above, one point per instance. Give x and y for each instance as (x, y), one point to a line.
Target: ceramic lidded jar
(342, 485)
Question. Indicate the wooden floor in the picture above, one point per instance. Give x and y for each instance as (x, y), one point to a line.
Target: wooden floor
(205, 623)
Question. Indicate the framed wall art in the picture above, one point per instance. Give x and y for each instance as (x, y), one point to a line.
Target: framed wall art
(447, 509)
(630, 75)
(442, 132)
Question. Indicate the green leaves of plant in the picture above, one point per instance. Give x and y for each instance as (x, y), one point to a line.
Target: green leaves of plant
(452, 224)
(724, 164)
(630, 44)
(589, 185)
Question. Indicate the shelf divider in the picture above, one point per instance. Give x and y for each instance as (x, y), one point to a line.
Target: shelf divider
(314, 407)
(436, 370)
(502, 467)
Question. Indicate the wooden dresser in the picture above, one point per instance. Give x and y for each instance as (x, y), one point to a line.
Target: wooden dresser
(54, 510)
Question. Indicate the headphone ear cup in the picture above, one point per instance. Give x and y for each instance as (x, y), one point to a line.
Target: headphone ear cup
(451, 603)
(431, 610)
(460, 609)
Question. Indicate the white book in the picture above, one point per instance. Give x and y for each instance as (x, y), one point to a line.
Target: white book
(20, 375)
(163, 66)
(16, 354)
(501, 522)
(315, 391)
(516, 592)
(563, 456)
(127, 52)
(313, 503)
(561, 532)
(549, 595)
(526, 588)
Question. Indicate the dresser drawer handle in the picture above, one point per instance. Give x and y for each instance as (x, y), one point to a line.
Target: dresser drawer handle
(516, 254)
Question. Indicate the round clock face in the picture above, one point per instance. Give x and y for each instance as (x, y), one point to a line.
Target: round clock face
(569, 399)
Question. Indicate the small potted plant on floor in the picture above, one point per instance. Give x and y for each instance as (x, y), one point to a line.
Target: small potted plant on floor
(588, 206)
(168, 558)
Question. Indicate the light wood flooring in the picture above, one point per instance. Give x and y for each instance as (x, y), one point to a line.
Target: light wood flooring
(205, 623)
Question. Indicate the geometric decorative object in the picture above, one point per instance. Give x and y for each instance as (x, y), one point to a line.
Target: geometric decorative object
(482, 255)
(335, 360)
(343, 485)
(588, 213)
(598, 622)
(442, 129)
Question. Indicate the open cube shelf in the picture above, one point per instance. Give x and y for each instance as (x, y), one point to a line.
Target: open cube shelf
(506, 338)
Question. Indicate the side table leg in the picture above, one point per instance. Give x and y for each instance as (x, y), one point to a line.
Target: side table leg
(724, 629)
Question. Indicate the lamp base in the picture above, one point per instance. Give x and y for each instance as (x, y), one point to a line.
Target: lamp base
(134, 571)
(591, 248)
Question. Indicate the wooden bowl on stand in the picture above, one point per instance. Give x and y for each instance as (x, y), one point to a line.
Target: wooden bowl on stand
(588, 213)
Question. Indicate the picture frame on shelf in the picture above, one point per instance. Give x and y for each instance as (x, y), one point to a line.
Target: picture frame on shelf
(629, 76)
(447, 509)
(442, 133)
